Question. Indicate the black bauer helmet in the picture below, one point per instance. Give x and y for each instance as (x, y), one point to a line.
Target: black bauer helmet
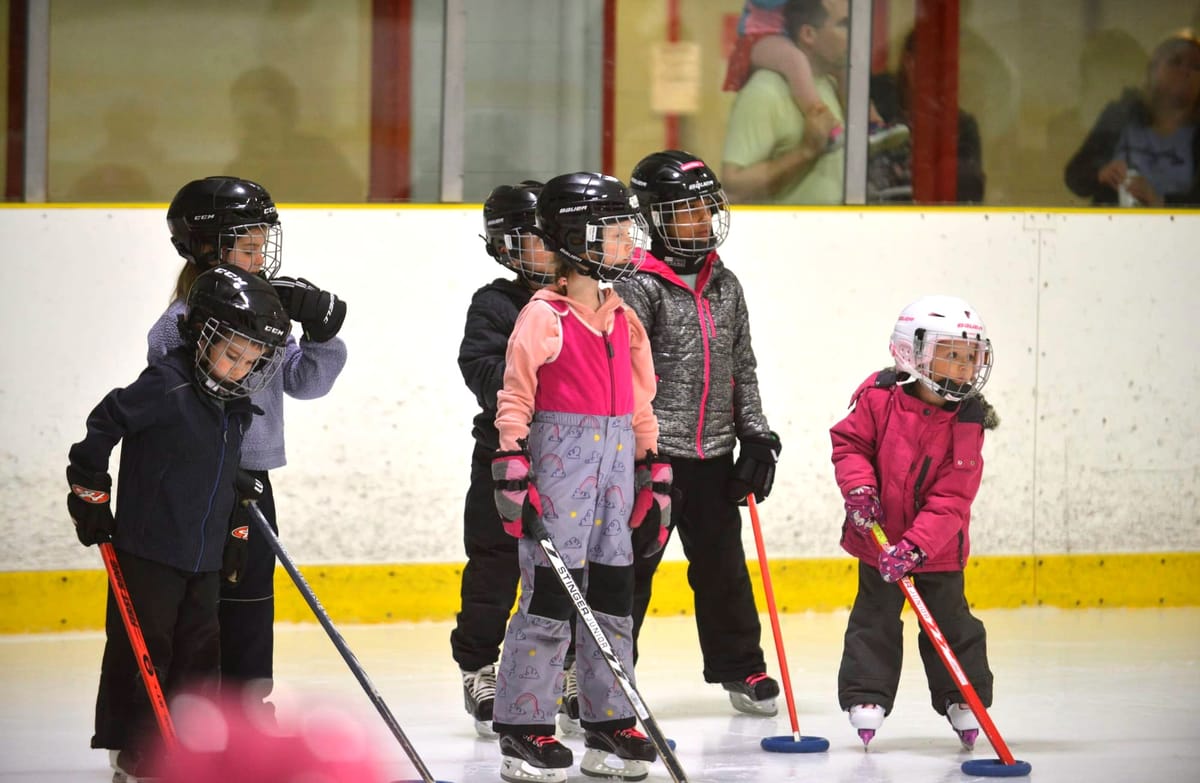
(593, 221)
(208, 216)
(238, 325)
(685, 205)
(510, 230)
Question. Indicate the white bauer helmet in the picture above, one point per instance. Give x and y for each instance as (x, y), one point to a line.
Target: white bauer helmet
(934, 319)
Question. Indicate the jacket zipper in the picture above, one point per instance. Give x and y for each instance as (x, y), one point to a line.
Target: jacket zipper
(917, 487)
(612, 378)
(700, 306)
(212, 496)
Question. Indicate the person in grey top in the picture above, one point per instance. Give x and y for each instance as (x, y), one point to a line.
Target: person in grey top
(707, 402)
(231, 221)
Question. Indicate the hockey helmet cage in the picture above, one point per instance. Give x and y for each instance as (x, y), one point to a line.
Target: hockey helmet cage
(208, 216)
(934, 320)
(685, 206)
(593, 221)
(239, 327)
(510, 231)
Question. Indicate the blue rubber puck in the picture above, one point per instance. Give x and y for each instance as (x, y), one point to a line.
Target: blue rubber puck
(787, 743)
(995, 768)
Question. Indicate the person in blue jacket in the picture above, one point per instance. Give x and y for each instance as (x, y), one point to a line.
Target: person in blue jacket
(180, 425)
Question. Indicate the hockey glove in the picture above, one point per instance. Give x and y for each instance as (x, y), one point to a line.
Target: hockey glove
(754, 470)
(233, 559)
(898, 560)
(651, 515)
(320, 313)
(863, 510)
(89, 505)
(517, 500)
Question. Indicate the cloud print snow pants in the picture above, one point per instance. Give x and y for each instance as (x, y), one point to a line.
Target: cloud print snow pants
(583, 468)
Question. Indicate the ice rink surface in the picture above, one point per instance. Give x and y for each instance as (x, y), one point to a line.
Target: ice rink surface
(1084, 696)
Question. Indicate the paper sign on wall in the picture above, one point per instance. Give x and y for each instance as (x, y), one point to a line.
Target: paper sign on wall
(675, 77)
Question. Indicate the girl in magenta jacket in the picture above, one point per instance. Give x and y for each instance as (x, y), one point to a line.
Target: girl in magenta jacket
(908, 457)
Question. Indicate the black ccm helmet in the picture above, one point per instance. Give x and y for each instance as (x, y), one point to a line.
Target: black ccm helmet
(233, 314)
(510, 229)
(685, 205)
(577, 213)
(207, 216)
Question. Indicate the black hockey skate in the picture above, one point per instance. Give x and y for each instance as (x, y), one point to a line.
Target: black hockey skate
(528, 757)
(754, 695)
(479, 693)
(630, 746)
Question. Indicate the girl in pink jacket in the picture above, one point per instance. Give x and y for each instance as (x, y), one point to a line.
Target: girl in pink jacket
(908, 457)
(577, 454)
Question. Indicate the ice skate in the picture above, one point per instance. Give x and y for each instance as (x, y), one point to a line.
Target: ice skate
(754, 695)
(479, 693)
(962, 720)
(867, 718)
(527, 757)
(128, 767)
(632, 750)
(568, 710)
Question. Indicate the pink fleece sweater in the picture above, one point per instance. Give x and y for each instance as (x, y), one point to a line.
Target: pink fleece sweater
(538, 339)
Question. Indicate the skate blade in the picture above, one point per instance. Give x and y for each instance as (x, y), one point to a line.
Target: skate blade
(484, 729)
(596, 764)
(760, 709)
(516, 770)
(866, 735)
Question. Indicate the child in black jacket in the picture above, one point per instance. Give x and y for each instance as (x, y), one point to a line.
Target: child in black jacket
(489, 579)
(181, 425)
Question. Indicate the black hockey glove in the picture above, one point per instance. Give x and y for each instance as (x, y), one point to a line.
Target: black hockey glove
(754, 470)
(233, 559)
(89, 505)
(320, 313)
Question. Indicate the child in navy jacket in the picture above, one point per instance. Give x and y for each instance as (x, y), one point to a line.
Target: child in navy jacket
(181, 425)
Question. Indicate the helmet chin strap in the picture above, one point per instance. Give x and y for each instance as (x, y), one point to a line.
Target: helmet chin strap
(688, 265)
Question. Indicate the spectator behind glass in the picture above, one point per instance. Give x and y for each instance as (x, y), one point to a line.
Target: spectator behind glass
(772, 153)
(889, 173)
(1152, 132)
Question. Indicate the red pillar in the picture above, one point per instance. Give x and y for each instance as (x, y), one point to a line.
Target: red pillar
(390, 177)
(935, 103)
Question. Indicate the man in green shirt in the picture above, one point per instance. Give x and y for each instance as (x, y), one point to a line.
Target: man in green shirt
(771, 153)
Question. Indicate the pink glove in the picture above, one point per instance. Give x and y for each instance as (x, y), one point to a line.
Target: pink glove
(651, 516)
(863, 509)
(517, 500)
(898, 560)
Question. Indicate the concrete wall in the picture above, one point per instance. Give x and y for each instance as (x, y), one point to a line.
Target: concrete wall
(1090, 314)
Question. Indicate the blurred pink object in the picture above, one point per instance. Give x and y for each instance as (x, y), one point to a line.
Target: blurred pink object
(228, 741)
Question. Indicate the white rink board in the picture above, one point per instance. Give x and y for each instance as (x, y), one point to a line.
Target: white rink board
(1095, 377)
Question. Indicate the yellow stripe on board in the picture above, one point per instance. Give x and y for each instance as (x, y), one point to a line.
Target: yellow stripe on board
(41, 601)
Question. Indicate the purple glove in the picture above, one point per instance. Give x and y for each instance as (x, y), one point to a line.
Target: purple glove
(517, 500)
(898, 560)
(651, 515)
(863, 509)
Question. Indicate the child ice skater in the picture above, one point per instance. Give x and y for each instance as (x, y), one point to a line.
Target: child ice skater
(908, 457)
(490, 577)
(227, 220)
(576, 425)
(181, 425)
(707, 403)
